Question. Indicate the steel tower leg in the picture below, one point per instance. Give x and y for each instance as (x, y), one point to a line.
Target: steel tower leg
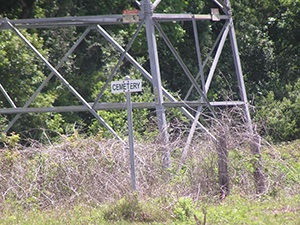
(238, 69)
(157, 86)
(259, 176)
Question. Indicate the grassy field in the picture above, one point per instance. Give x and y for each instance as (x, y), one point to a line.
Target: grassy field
(87, 181)
(233, 210)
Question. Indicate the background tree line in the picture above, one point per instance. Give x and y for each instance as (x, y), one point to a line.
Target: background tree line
(268, 38)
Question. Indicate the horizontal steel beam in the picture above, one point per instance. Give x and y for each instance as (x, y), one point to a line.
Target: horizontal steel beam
(161, 17)
(113, 106)
(98, 20)
(195, 104)
(62, 21)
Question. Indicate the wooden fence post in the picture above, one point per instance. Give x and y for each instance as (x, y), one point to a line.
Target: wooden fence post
(222, 150)
(259, 177)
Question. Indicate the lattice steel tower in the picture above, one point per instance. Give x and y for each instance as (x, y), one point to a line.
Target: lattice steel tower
(146, 18)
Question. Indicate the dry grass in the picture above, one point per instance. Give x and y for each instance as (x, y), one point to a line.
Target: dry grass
(95, 171)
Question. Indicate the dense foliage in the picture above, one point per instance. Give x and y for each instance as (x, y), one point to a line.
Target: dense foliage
(268, 38)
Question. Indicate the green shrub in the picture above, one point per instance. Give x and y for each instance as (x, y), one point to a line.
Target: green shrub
(130, 208)
(277, 116)
(183, 209)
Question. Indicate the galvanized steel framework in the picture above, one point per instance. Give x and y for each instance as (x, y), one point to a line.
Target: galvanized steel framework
(151, 21)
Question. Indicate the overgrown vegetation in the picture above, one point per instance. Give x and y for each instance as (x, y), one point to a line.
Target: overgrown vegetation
(87, 180)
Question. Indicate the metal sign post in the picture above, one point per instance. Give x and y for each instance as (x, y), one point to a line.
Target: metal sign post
(128, 86)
